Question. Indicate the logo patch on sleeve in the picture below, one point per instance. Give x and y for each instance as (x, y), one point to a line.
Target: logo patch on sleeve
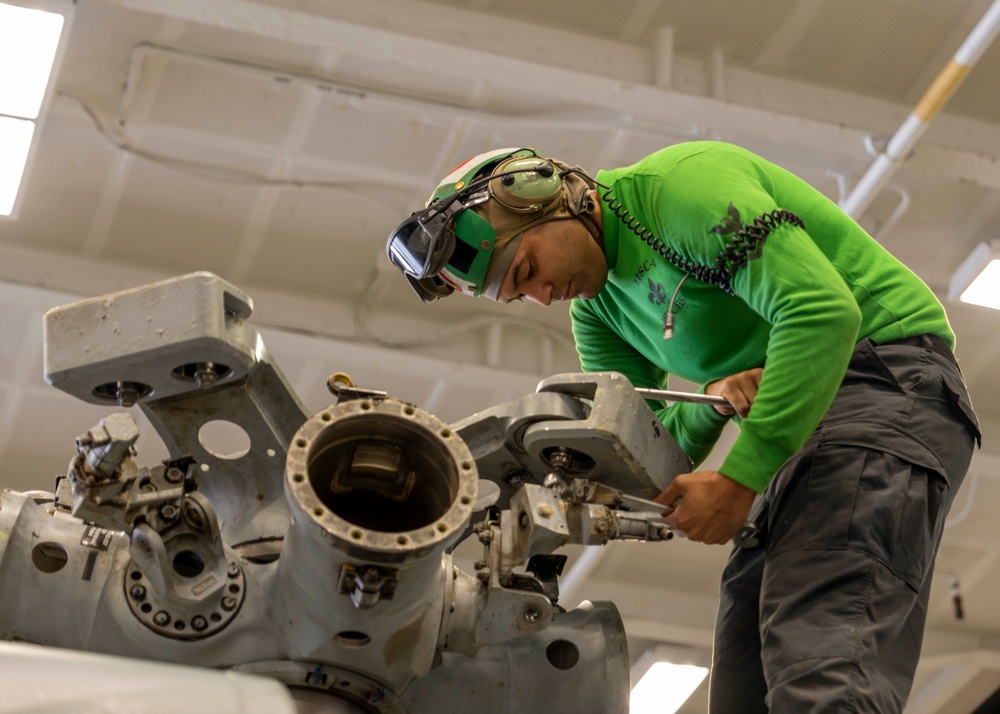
(730, 224)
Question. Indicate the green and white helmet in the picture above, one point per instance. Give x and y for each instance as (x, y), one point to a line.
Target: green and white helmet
(465, 238)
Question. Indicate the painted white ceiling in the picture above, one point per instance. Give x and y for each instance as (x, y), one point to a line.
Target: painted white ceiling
(277, 142)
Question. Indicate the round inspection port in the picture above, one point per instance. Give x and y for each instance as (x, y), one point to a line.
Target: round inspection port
(224, 439)
(382, 472)
(49, 557)
(188, 564)
(562, 654)
(352, 639)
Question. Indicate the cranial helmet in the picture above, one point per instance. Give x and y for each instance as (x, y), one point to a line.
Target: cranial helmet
(465, 238)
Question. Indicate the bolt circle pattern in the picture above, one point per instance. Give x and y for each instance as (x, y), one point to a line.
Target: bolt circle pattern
(194, 622)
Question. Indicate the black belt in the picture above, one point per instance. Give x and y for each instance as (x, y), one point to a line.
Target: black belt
(934, 343)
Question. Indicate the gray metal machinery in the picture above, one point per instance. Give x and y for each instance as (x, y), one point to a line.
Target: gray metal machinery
(321, 557)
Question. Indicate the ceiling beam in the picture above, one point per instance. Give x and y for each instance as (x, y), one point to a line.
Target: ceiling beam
(787, 35)
(775, 116)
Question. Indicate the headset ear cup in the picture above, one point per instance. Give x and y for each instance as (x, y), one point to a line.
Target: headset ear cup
(534, 185)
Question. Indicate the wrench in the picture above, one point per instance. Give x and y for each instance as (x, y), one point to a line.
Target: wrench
(672, 396)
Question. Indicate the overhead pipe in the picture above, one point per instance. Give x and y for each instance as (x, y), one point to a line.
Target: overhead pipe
(930, 104)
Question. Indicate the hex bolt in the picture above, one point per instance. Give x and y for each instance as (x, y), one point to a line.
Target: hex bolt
(138, 592)
(484, 574)
(174, 475)
(370, 576)
(233, 571)
(126, 396)
(229, 603)
(532, 614)
(161, 619)
(205, 375)
(485, 537)
(199, 623)
(169, 512)
(514, 478)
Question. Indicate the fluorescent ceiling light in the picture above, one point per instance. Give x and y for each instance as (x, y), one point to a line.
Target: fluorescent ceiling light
(665, 687)
(15, 140)
(28, 42)
(977, 280)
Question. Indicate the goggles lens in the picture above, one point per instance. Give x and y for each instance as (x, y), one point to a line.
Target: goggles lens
(421, 245)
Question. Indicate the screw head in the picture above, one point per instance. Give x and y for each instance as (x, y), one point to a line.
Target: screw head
(229, 603)
(532, 614)
(233, 571)
(199, 623)
(162, 619)
(138, 592)
(174, 475)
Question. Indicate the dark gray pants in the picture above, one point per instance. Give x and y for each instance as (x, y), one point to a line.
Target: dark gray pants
(828, 614)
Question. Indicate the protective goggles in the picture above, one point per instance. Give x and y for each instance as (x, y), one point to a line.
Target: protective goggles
(446, 247)
(422, 244)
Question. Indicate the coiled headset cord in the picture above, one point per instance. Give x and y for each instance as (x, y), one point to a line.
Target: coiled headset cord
(747, 239)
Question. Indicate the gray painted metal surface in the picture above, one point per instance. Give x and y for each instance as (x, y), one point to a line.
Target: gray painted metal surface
(320, 557)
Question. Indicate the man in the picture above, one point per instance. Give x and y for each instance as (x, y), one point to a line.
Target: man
(707, 262)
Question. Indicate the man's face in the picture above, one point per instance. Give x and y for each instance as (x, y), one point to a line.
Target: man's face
(557, 260)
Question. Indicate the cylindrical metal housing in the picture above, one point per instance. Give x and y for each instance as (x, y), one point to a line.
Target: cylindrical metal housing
(378, 490)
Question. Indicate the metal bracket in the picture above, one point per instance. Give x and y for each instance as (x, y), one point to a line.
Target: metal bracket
(367, 584)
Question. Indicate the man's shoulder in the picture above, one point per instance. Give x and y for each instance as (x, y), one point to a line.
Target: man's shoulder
(663, 161)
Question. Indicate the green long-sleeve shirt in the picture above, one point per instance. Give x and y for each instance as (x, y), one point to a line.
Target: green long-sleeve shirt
(804, 297)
